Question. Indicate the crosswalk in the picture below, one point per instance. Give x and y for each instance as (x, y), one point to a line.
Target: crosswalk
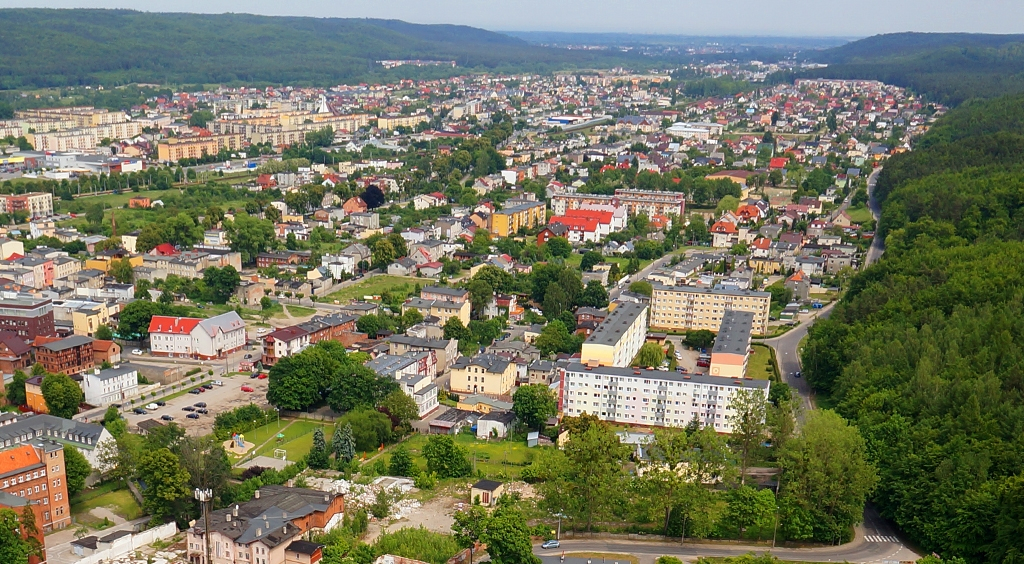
(881, 538)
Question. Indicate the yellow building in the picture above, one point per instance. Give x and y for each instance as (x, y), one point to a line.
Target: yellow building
(178, 148)
(508, 221)
(686, 308)
(442, 309)
(391, 121)
(486, 374)
(619, 337)
(731, 352)
(765, 265)
(88, 318)
(103, 262)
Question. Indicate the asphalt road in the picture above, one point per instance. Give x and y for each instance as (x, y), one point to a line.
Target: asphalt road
(878, 243)
(787, 352)
(613, 294)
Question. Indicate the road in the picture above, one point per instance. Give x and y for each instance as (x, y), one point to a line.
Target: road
(787, 352)
(613, 294)
(878, 243)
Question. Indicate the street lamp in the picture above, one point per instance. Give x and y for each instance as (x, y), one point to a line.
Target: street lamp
(205, 497)
(558, 534)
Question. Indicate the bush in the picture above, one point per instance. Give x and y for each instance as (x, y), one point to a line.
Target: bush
(425, 481)
(253, 472)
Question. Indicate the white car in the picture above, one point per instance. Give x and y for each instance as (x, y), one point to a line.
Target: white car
(262, 331)
(152, 406)
(137, 351)
(218, 383)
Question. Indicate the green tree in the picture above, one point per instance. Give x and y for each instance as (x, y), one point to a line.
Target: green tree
(76, 470)
(401, 463)
(649, 355)
(454, 329)
(555, 338)
(749, 508)
(699, 339)
(590, 259)
(556, 301)
(594, 295)
(205, 461)
(221, 283)
(445, 458)
(402, 409)
(507, 537)
(16, 389)
(136, 316)
(318, 457)
(370, 324)
(122, 271)
(558, 247)
(749, 425)
(249, 236)
(642, 287)
(14, 547)
(62, 395)
(383, 253)
(480, 295)
(345, 450)
(533, 405)
(94, 214)
(103, 333)
(166, 483)
(370, 428)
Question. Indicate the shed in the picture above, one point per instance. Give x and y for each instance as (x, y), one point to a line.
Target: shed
(494, 424)
(487, 491)
(532, 439)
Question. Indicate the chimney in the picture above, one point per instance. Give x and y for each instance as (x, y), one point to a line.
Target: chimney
(234, 510)
(256, 494)
(284, 530)
(228, 517)
(96, 371)
(327, 498)
(259, 532)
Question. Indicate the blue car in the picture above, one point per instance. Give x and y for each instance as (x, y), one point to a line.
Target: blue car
(551, 544)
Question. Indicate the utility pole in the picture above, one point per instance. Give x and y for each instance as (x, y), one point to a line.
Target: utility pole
(205, 497)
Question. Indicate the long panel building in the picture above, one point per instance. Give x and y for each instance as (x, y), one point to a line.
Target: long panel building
(686, 308)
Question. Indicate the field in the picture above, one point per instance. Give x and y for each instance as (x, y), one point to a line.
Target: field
(494, 459)
(119, 501)
(375, 285)
(298, 438)
(575, 259)
(760, 366)
(859, 214)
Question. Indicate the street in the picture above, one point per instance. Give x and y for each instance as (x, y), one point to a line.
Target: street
(877, 244)
(787, 352)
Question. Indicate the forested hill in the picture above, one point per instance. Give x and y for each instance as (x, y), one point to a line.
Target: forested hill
(925, 353)
(77, 47)
(947, 67)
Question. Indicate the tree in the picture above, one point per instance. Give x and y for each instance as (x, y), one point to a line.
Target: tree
(76, 470)
(699, 339)
(555, 338)
(14, 546)
(748, 508)
(221, 283)
(103, 333)
(151, 235)
(401, 463)
(383, 253)
(642, 287)
(556, 300)
(749, 424)
(136, 316)
(594, 295)
(16, 389)
(122, 271)
(354, 386)
(345, 450)
(590, 259)
(454, 329)
(94, 214)
(649, 355)
(182, 230)
(402, 410)
(299, 381)
(780, 293)
(62, 395)
(507, 537)
(664, 484)
(166, 483)
(558, 247)
(370, 428)
(205, 461)
(533, 405)
(318, 457)
(613, 273)
(373, 196)
(370, 324)
(250, 236)
(445, 458)
(480, 295)
(826, 474)
(111, 415)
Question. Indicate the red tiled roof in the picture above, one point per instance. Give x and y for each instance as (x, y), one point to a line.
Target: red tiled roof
(604, 217)
(173, 325)
(17, 458)
(575, 223)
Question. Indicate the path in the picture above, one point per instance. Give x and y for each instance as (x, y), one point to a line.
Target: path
(58, 544)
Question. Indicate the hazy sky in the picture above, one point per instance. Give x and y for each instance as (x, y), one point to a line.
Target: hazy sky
(691, 17)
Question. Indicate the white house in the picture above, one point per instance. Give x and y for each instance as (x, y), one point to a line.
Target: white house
(189, 337)
(113, 385)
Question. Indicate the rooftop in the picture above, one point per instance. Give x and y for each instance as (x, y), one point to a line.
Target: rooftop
(611, 329)
(664, 375)
(734, 333)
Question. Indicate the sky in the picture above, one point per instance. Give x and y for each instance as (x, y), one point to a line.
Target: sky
(806, 18)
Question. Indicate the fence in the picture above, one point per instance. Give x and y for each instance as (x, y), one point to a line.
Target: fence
(125, 545)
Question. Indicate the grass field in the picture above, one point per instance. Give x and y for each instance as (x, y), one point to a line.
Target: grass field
(575, 259)
(859, 214)
(490, 456)
(300, 311)
(760, 365)
(119, 501)
(377, 284)
(298, 438)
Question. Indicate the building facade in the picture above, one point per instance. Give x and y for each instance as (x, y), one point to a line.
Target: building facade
(618, 338)
(486, 374)
(36, 473)
(113, 385)
(189, 337)
(27, 315)
(731, 352)
(510, 220)
(686, 308)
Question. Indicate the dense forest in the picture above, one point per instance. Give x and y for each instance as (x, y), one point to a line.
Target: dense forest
(46, 48)
(949, 67)
(924, 352)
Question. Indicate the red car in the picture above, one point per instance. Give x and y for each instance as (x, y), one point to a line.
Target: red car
(262, 376)
(247, 388)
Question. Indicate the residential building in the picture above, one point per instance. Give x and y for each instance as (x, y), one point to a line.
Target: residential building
(686, 308)
(446, 350)
(35, 204)
(70, 355)
(267, 529)
(414, 372)
(731, 352)
(649, 202)
(456, 295)
(510, 220)
(618, 338)
(27, 315)
(26, 428)
(443, 310)
(113, 385)
(650, 397)
(177, 148)
(486, 374)
(284, 342)
(189, 337)
(15, 354)
(34, 399)
(35, 472)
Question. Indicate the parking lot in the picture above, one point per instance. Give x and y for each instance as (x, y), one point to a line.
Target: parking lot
(219, 399)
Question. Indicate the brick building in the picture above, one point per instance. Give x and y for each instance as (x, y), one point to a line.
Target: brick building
(70, 355)
(35, 472)
(27, 315)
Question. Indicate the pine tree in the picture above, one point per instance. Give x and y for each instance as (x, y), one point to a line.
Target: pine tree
(347, 450)
(336, 444)
(318, 456)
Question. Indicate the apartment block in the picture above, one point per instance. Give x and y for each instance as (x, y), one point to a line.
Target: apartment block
(35, 473)
(71, 355)
(178, 148)
(507, 222)
(388, 122)
(27, 315)
(649, 202)
(189, 337)
(113, 385)
(685, 308)
(443, 310)
(27, 429)
(731, 352)
(35, 204)
(618, 338)
(655, 398)
(486, 374)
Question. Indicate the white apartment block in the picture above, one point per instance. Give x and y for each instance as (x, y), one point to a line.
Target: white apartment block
(113, 385)
(686, 308)
(619, 337)
(650, 397)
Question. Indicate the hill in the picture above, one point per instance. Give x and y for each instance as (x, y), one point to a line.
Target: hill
(46, 48)
(947, 67)
(924, 352)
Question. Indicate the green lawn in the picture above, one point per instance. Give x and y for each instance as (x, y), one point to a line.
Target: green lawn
(859, 214)
(300, 311)
(262, 434)
(575, 259)
(298, 439)
(119, 501)
(490, 455)
(375, 285)
(760, 365)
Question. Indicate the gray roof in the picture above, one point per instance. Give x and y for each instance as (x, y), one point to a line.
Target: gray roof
(489, 362)
(25, 428)
(68, 342)
(734, 334)
(387, 365)
(269, 518)
(610, 330)
(418, 342)
(126, 368)
(226, 322)
(665, 375)
(454, 292)
(420, 303)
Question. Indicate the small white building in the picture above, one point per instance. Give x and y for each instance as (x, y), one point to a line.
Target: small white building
(113, 385)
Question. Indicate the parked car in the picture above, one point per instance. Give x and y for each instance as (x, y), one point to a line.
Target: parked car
(136, 351)
(551, 544)
(193, 416)
(796, 374)
(246, 388)
(199, 404)
(262, 331)
(167, 418)
(247, 357)
(218, 383)
(194, 391)
(703, 363)
(152, 406)
(254, 375)
(140, 411)
(161, 403)
(262, 376)
(202, 410)
(201, 389)
(208, 386)
(188, 408)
